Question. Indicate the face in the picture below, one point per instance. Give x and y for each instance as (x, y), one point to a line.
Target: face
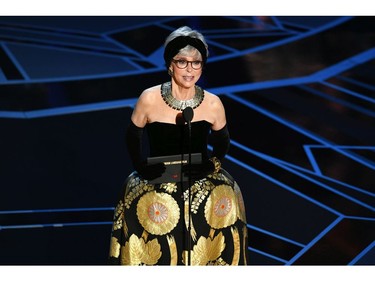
(186, 76)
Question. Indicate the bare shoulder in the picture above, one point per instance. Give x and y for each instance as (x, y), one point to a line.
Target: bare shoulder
(213, 100)
(149, 94)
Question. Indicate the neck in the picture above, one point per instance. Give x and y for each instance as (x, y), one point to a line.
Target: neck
(182, 93)
(193, 100)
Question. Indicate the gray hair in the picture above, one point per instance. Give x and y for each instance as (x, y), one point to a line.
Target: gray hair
(187, 31)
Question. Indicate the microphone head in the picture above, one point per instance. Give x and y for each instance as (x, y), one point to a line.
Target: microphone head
(188, 114)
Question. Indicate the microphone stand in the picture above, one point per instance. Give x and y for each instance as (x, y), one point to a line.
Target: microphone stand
(188, 116)
(189, 204)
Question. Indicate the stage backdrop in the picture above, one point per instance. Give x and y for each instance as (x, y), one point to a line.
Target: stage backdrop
(300, 105)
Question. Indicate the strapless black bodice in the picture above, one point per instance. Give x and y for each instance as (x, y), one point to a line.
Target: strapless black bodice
(170, 139)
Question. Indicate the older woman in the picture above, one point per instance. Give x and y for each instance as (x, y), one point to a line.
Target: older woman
(198, 221)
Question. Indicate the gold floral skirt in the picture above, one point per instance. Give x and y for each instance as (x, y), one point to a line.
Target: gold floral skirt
(153, 224)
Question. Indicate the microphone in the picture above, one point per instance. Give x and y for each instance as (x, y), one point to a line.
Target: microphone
(188, 114)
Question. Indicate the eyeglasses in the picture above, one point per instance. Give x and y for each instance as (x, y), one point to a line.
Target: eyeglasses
(196, 64)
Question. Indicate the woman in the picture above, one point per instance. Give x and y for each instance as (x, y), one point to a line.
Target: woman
(157, 223)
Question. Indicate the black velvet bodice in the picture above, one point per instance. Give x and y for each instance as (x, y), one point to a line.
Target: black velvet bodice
(170, 139)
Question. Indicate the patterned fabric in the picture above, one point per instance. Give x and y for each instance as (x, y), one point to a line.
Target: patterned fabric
(157, 224)
(151, 223)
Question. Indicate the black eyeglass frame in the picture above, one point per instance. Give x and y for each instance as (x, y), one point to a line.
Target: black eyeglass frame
(187, 63)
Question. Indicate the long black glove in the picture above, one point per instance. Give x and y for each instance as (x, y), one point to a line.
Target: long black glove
(220, 141)
(134, 145)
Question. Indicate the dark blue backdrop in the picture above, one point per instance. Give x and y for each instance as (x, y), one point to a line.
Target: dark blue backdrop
(300, 103)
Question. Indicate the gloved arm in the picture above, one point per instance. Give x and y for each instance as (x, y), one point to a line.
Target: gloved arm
(134, 136)
(220, 141)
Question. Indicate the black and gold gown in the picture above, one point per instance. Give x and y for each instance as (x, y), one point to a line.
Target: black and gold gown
(151, 221)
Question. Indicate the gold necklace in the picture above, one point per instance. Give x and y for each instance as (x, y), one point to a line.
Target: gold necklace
(171, 101)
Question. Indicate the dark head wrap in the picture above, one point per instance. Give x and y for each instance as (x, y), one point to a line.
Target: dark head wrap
(174, 46)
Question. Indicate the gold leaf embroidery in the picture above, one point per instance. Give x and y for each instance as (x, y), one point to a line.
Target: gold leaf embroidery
(136, 251)
(114, 248)
(125, 229)
(244, 239)
(193, 232)
(172, 249)
(152, 252)
(236, 246)
(118, 216)
(207, 250)
(169, 187)
(136, 188)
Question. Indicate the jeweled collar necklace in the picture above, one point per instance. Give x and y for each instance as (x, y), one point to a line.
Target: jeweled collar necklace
(171, 101)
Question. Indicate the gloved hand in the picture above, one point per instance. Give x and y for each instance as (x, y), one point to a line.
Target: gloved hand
(199, 171)
(151, 171)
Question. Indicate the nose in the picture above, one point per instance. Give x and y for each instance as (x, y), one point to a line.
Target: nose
(189, 66)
